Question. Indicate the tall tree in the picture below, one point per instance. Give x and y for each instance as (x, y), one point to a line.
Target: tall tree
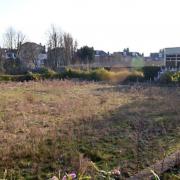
(61, 48)
(55, 44)
(70, 46)
(55, 37)
(19, 39)
(13, 39)
(9, 38)
(86, 54)
(1, 61)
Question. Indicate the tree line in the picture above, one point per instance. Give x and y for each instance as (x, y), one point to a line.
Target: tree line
(61, 47)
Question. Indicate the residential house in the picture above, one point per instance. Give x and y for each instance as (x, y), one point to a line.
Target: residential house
(100, 53)
(32, 55)
(158, 56)
(9, 54)
(101, 58)
(127, 53)
(42, 57)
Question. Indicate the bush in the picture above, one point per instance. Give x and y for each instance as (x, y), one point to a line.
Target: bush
(166, 78)
(33, 76)
(14, 78)
(96, 75)
(104, 75)
(14, 67)
(42, 70)
(121, 76)
(135, 77)
(170, 77)
(6, 78)
(101, 75)
(176, 77)
(45, 72)
(150, 72)
(20, 78)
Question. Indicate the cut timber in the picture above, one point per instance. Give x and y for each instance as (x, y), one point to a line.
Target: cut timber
(159, 167)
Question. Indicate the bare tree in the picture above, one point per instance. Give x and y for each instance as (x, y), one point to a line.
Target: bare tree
(13, 39)
(9, 38)
(70, 46)
(1, 60)
(19, 39)
(55, 37)
(61, 48)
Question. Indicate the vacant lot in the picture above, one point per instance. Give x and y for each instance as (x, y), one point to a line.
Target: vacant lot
(52, 126)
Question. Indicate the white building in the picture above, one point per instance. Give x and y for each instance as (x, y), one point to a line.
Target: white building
(40, 60)
(172, 57)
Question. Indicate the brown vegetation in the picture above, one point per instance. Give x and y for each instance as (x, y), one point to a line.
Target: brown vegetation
(52, 126)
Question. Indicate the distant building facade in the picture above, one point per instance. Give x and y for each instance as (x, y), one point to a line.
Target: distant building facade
(101, 58)
(9, 54)
(157, 56)
(32, 55)
(101, 53)
(172, 57)
(127, 53)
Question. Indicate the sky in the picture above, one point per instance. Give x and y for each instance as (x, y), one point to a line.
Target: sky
(110, 25)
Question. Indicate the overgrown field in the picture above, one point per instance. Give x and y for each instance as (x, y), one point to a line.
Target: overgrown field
(59, 126)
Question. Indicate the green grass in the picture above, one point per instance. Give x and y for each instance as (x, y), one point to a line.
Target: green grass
(54, 125)
(173, 174)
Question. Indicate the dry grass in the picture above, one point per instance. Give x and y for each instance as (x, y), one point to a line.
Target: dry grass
(47, 126)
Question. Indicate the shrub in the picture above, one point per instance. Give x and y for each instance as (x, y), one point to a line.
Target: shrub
(6, 78)
(101, 74)
(14, 67)
(150, 72)
(96, 75)
(170, 77)
(135, 76)
(121, 76)
(45, 72)
(33, 76)
(166, 78)
(176, 77)
(104, 75)
(14, 78)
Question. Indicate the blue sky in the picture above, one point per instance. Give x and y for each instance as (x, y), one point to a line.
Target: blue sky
(111, 25)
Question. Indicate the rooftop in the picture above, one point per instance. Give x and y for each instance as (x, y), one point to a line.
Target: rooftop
(172, 50)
